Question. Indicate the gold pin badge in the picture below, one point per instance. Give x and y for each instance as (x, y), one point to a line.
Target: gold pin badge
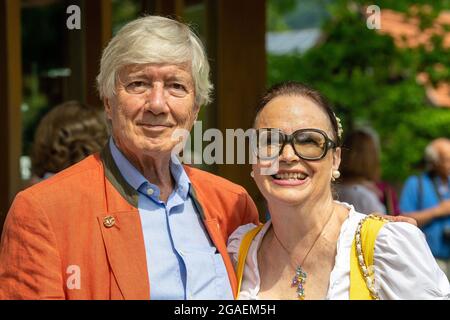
(109, 221)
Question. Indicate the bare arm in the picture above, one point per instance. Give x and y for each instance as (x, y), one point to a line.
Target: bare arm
(427, 215)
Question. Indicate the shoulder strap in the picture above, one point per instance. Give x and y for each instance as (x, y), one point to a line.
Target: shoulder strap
(369, 232)
(243, 251)
(436, 188)
(420, 197)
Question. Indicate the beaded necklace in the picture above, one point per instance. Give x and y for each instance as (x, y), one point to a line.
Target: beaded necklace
(300, 276)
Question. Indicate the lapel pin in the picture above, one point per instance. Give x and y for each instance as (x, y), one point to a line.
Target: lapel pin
(109, 221)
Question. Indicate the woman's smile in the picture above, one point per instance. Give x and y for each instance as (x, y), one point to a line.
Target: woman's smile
(290, 178)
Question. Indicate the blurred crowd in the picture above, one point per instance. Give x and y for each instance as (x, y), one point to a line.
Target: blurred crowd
(424, 196)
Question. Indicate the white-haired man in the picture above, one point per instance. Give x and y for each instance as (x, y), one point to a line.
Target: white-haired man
(426, 198)
(131, 222)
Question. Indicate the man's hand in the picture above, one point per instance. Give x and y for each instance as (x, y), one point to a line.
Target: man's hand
(397, 218)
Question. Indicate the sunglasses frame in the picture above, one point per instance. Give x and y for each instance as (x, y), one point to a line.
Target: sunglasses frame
(289, 138)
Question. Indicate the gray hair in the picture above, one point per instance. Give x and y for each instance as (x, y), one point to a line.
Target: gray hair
(154, 39)
(432, 156)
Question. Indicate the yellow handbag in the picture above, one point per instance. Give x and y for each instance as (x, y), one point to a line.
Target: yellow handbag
(360, 279)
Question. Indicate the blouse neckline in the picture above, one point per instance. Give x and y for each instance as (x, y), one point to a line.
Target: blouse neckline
(340, 241)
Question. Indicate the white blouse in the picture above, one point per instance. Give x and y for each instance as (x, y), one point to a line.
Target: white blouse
(403, 264)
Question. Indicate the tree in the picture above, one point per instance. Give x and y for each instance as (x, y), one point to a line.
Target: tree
(371, 81)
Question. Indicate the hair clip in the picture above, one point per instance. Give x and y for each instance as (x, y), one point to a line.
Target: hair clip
(339, 124)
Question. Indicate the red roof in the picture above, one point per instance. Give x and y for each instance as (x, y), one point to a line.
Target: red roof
(407, 33)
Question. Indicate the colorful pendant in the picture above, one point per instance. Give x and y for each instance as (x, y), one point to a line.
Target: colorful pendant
(298, 281)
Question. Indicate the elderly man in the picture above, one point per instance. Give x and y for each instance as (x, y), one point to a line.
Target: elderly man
(426, 198)
(131, 222)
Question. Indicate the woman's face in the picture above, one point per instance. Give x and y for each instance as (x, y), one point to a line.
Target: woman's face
(309, 180)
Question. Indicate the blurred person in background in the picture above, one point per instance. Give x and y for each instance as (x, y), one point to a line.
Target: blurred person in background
(361, 185)
(66, 135)
(426, 198)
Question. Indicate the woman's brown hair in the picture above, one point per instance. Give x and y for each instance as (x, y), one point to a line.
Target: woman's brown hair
(360, 157)
(293, 88)
(67, 134)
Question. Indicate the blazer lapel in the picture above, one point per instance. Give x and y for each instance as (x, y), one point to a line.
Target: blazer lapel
(121, 230)
(124, 243)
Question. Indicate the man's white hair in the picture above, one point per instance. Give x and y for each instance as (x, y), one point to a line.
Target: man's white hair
(159, 40)
(432, 154)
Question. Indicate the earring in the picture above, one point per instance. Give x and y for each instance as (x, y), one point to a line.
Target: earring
(335, 175)
(252, 174)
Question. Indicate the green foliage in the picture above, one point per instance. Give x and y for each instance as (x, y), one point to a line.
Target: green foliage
(284, 15)
(276, 11)
(372, 82)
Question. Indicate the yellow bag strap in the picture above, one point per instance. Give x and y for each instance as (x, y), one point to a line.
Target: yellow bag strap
(369, 231)
(243, 251)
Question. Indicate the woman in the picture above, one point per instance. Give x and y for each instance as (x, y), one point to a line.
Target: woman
(306, 250)
(360, 169)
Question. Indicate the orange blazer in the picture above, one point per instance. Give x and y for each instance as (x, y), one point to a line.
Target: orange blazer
(78, 234)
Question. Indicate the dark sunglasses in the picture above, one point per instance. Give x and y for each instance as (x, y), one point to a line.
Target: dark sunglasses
(308, 144)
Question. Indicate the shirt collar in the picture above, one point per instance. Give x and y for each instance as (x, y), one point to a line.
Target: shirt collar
(180, 176)
(136, 179)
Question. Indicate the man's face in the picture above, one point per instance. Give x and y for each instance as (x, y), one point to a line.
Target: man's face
(443, 166)
(151, 102)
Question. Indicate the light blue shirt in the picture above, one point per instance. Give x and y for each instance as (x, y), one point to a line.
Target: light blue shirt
(182, 261)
